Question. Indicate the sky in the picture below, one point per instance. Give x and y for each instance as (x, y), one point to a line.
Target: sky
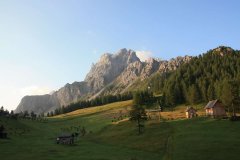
(45, 44)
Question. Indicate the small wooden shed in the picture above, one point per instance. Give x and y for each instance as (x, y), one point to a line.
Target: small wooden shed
(191, 112)
(65, 139)
(215, 108)
(154, 113)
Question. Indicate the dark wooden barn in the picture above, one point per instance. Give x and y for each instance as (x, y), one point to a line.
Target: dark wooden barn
(65, 139)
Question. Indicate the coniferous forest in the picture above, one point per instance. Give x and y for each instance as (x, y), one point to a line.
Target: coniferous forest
(213, 75)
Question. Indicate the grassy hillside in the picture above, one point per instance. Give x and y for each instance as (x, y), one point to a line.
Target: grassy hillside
(200, 138)
(197, 139)
(112, 106)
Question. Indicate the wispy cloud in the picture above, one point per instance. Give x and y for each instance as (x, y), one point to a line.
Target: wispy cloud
(35, 90)
(144, 55)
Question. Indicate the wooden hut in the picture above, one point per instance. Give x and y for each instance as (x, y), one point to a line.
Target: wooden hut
(215, 108)
(191, 112)
(154, 113)
(65, 139)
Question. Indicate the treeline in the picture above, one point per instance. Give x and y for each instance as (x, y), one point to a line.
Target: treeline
(143, 98)
(91, 103)
(5, 112)
(214, 75)
(22, 115)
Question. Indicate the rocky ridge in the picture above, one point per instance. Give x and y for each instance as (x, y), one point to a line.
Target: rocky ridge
(119, 70)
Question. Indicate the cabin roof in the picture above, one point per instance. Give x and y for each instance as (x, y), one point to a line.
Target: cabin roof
(211, 104)
(153, 110)
(65, 135)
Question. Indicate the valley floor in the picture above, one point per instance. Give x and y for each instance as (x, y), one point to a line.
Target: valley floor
(180, 139)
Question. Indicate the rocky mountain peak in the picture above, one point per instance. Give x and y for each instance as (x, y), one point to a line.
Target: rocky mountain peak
(105, 57)
(109, 67)
(122, 51)
(127, 55)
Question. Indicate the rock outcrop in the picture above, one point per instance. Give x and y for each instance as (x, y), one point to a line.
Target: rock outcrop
(173, 64)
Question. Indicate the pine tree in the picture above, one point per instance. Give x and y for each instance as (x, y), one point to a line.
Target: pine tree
(193, 97)
(138, 114)
(231, 96)
(211, 92)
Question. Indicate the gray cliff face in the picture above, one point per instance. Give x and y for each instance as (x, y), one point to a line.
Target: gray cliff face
(38, 104)
(131, 73)
(71, 93)
(140, 71)
(143, 70)
(112, 74)
(125, 79)
(151, 67)
(109, 68)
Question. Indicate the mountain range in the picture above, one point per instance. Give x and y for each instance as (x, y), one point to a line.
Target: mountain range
(112, 74)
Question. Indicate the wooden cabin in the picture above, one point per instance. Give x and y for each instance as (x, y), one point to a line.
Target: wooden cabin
(154, 113)
(215, 108)
(65, 139)
(191, 112)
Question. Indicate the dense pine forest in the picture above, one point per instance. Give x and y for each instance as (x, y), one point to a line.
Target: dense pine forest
(213, 75)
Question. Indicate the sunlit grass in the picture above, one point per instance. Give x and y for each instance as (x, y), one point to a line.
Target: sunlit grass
(91, 110)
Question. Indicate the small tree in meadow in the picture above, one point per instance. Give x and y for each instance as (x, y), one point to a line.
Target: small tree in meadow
(83, 131)
(138, 112)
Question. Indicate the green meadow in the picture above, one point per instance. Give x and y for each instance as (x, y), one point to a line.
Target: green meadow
(179, 139)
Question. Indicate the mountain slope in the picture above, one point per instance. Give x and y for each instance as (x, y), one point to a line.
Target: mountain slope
(112, 74)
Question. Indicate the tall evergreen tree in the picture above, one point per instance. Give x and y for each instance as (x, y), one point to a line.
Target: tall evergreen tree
(211, 92)
(231, 96)
(194, 96)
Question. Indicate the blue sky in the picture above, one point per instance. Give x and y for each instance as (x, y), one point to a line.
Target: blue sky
(46, 44)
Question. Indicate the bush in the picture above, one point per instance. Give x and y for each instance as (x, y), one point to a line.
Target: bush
(234, 118)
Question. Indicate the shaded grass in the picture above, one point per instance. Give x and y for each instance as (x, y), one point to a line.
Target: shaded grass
(198, 139)
(204, 138)
(40, 144)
